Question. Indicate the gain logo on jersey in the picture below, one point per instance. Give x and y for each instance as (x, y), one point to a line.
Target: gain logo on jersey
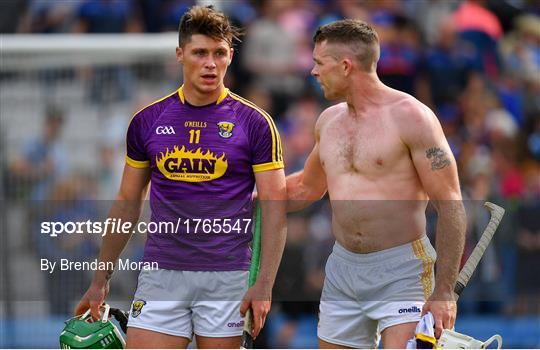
(191, 166)
(225, 129)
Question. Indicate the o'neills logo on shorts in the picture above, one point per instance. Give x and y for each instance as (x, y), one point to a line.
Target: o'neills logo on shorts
(409, 310)
(191, 166)
(235, 324)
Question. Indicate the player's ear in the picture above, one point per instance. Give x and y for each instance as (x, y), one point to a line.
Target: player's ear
(180, 55)
(347, 66)
(231, 54)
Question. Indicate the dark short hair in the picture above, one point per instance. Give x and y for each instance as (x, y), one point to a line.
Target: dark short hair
(206, 20)
(359, 36)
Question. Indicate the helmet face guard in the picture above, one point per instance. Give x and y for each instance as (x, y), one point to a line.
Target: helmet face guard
(82, 333)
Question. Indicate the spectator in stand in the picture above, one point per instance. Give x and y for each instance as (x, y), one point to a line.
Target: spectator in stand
(473, 15)
(299, 21)
(521, 49)
(521, 54)
(269, 55)
(68, 201)
(298, 137)
(162, 15)
(429, 14)
(400, 56)
(447, 66)
(510, 182)
(109, 83)
(43, 160)
(11, 14)
(45, 16)
(107, 16)
(242, 12)
(478, 25)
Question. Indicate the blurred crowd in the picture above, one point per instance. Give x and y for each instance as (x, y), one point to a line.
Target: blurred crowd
(475, 63)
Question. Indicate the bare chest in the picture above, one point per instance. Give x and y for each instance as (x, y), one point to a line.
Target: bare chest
(366, 147)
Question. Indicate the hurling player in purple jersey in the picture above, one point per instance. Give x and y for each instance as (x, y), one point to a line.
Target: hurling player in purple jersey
(203, 149)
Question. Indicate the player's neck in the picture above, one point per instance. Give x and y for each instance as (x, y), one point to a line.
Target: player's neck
(366, 91)
(199, 98)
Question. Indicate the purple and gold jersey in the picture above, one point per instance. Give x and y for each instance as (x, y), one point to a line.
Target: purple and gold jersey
(202, 162)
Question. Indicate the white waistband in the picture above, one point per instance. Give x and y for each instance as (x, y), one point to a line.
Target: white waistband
(414, 248)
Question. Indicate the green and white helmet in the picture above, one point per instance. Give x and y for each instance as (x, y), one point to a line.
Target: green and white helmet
(82, 333)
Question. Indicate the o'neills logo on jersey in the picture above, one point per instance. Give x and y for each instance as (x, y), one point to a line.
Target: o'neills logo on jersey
(191, 166)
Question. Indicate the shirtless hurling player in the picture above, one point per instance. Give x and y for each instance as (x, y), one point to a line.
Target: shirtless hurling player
(381, 155)
(203, 148)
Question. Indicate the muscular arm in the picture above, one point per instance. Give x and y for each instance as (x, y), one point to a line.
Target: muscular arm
(272, 197)
(450, 241)
(437, 170)
(308, 185)
(126, 207)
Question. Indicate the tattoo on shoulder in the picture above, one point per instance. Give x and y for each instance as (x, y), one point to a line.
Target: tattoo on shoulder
(439, 158)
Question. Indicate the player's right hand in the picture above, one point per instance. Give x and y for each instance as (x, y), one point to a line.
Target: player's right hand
(443, 307)
(259, 299)
(93, 299)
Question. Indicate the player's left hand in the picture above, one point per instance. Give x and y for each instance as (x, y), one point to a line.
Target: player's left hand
(442, 306)
(259, 299)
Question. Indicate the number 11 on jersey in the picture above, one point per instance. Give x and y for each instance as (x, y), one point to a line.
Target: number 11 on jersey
(194, 136)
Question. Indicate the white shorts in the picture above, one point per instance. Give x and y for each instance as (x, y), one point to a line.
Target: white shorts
(183, 303)
(364, 294)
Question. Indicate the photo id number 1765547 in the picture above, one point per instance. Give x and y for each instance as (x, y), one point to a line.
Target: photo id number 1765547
(195, 225)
